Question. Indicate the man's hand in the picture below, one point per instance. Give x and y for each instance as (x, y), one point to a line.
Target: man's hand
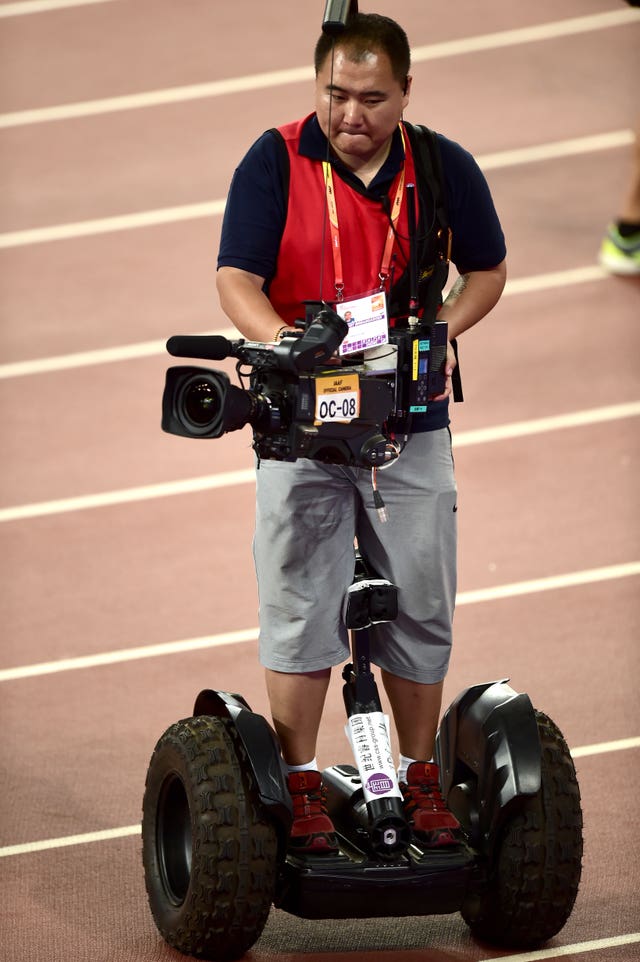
(472, 296)
(450, 363)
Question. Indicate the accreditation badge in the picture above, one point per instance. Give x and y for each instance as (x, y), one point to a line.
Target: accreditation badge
(367, 320)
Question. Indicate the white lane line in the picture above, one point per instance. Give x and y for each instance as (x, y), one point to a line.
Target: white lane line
(554, 279)
(129, 654)
(208, 482)
(43, 6)
(556, 422)
(157, 98)
(85, 502)
(560, 951)
(171, 215)
(104, 355)
(498, 593)
(107, 225)
(276, 78)
(28, 848)
(536, 585)
(556, 149)
(520, 35)
(603, 748)
(127, 352)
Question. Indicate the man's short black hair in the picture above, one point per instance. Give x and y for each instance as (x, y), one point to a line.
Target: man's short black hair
(364, 34)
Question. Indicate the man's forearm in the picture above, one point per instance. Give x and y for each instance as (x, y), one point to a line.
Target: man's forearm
(472, 296)
(246, 306)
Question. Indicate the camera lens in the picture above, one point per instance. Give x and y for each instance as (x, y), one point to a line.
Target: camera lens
(201, 403)
(198, 403)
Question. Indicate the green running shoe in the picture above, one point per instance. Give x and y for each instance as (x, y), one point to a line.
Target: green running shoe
(620, 255)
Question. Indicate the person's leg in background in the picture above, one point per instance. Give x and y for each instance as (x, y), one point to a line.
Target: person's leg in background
(620, 248)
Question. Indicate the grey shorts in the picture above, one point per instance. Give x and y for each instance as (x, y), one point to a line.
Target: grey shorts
(307, 516)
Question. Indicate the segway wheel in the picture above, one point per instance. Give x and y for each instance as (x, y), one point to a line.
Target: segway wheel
(535, 872)
(209, 853)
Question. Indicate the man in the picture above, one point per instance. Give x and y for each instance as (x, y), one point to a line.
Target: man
(276, 251)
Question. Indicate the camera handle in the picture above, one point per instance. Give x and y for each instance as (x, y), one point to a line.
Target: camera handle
(370, 601)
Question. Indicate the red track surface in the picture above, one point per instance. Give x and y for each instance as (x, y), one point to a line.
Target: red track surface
(109, 578)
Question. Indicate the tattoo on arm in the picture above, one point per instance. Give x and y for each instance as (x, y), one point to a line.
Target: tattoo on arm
(458, 288)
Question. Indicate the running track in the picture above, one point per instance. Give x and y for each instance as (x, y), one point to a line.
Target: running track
(128, 582)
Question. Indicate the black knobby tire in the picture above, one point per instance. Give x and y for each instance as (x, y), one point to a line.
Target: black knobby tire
(209, 853)
(535, 874)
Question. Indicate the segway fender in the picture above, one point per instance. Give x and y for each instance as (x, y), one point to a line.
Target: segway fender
(490, 757)
(261, 745)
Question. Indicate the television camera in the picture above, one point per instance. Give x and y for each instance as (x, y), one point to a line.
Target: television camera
(300, 402)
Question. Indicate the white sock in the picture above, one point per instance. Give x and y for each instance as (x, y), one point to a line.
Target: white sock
(311, 766)
(403, 766)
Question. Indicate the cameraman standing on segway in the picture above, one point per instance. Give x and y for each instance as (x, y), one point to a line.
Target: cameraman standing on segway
(317, 210)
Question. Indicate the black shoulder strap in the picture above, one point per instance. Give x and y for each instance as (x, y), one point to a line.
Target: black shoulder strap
(428, 163)
(433, 244)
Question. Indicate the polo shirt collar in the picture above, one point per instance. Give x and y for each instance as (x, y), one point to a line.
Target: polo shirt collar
(313, 144)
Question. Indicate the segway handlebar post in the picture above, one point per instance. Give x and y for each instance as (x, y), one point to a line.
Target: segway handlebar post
(336, 16)
(369, 602)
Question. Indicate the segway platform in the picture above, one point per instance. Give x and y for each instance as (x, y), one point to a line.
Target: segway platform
(358, 883)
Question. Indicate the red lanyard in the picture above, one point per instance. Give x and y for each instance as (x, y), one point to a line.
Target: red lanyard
(335, 229)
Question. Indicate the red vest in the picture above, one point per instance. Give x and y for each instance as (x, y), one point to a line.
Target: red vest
(305, 249)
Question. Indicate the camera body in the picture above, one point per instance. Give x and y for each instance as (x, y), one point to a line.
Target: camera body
(298, 403)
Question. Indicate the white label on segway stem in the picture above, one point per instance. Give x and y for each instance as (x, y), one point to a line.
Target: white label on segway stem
(368, 736)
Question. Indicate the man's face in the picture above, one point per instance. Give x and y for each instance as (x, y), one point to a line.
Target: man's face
(366, 102)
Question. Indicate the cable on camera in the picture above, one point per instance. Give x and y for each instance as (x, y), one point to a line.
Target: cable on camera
(380, 506)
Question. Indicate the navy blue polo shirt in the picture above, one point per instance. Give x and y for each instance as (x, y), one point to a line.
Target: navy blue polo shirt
(256, 212)
(256, 208)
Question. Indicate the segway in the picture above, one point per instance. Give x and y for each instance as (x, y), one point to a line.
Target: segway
(217, 817)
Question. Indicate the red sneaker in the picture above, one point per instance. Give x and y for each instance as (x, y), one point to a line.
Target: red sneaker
(431, 820)
(312, 830)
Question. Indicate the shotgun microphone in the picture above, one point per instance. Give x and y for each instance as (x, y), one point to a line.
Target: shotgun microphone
(209, 347)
